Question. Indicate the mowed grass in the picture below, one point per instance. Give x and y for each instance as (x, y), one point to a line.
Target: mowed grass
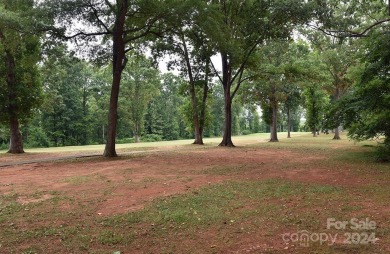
(239, 140)
(239, 215)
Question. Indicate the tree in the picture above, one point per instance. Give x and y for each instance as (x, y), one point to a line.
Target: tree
(188, 41)
(163, 115)
(68, 85)
(338, 56)
(276, 78)
(239, 35)
(19, 78)
(352, 19)
(315, 102)
(139, 87)
(122, 24)
(366, 109)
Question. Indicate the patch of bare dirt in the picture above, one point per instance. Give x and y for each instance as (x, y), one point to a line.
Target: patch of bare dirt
(127, 184)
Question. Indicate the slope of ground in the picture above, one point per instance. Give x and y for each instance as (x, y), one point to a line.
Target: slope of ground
(256, 198)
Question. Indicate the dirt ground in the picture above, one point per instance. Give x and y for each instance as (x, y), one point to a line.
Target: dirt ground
(133, 181)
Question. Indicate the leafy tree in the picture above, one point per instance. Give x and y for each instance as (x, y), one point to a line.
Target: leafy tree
(119, 25)
(338, 57)
(163, 115)
(139, 87)
(366, 110)
(276, 79)
(315, 103)
(188, 41)
(20, 87)
(68, 84)
(242, 26)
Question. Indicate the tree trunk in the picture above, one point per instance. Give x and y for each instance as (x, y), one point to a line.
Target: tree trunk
(288, 123)
(274, 125)
(314, 133)
(337, 133)
(337, 129)
(119, 62)
(137, 138)
(227, 133)
(195, 118)
(204, 102)
(16, 140)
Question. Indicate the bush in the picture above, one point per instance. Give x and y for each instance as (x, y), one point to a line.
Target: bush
(37, 138)
(151, 138)
(246, 132)
(3, 146)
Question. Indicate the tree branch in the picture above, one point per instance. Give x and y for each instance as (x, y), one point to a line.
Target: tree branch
(95, 13)
(216, 72)
(352, 34)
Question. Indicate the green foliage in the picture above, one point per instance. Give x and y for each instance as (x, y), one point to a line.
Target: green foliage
(140, 83)
(19, 43)
(69, 85)
(366, 110)
(163, 116)
(152, 138)
(316, 101)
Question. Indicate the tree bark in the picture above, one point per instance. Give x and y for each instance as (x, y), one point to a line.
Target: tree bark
(337, 133)
(202, 117)
(195, 118)
(274, 125)
(226, 78)
(119, 62)
(337, 130)
(227, 133)
(16, 140)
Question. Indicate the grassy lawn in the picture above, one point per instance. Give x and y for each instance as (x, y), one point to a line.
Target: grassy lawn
(239, 140)
(257, 205)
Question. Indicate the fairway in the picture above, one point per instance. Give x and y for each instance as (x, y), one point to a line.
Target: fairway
(181, 198)
(239, 140)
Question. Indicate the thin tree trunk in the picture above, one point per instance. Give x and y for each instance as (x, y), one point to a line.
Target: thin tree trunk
(195, 118)
(119, 62)
(274, 126)
(337, 130)
(288, 123)
(204, 101)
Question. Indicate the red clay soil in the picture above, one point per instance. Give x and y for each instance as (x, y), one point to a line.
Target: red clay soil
(137, 180)
(134, 181)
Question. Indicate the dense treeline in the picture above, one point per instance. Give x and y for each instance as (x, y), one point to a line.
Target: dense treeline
(240, 67)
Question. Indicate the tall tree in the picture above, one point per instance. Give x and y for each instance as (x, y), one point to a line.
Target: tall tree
(19, 78)
(120, 25)
(366, 109)
(315, 103)
(188, 41)
(139, 87)
(243, 26)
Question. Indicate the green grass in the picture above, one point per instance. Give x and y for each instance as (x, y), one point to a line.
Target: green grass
(239, 140)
